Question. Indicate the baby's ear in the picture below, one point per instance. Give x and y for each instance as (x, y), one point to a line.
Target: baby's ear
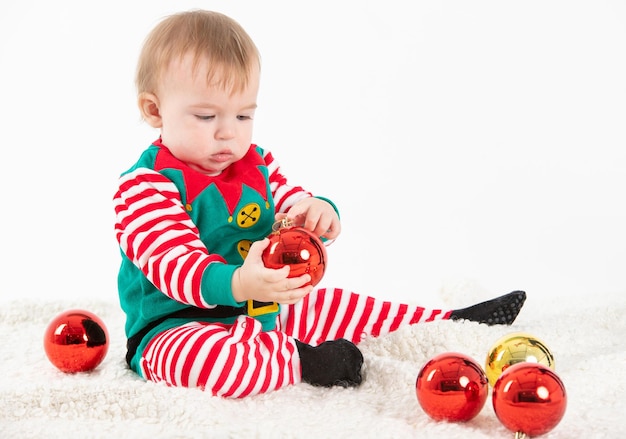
(149, 106)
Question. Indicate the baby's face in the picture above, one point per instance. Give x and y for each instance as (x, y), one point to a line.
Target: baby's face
(203, 125)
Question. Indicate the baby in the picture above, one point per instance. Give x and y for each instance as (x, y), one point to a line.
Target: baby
(192, 219)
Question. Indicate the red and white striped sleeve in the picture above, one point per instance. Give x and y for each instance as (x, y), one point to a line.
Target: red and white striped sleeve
(156, 234)
(284, 195)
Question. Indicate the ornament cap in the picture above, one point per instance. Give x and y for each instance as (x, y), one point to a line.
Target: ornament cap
(284, 223)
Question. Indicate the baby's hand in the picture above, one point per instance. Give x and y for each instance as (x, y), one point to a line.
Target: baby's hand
(315, 215)
(253, 281)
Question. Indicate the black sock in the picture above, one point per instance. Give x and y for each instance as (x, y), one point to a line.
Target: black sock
(333, 363)
(502, 310)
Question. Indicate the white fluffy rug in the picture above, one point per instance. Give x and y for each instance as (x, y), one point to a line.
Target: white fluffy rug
(586, 336)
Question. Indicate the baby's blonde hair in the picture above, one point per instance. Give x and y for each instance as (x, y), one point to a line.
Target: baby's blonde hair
(205, 35)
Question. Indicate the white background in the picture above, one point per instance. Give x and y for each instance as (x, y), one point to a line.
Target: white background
(478, 142)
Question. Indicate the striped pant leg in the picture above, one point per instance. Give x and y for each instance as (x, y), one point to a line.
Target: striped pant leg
(330, 314)
(228, 360)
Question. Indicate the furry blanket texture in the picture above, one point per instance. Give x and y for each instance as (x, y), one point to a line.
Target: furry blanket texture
(586, 337)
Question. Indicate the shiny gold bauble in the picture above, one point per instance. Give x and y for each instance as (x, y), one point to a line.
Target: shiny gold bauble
(514, 348)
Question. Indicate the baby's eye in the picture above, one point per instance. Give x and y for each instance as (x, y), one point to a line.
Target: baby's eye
(203, 117)
(242, 117)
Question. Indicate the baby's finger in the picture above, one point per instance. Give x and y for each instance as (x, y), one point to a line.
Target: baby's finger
(295, 295)
(298, 281)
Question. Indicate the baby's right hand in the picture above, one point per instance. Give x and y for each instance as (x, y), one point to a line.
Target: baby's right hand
(254, 281)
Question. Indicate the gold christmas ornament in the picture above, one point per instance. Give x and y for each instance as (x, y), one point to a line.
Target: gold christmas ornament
(513, 348)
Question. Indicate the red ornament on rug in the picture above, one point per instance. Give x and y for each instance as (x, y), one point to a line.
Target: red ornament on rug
(298, 248)
(529, 399)
(76, 341)
(452, 387)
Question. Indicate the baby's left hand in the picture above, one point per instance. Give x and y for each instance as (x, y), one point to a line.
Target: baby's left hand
(315, 215)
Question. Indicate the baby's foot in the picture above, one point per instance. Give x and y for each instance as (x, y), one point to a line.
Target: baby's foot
(333, 363)
(502, 310)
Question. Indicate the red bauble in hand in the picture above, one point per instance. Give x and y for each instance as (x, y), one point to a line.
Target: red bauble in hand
(452, 387)
(298, 248)
(76, 341)
(529, 398)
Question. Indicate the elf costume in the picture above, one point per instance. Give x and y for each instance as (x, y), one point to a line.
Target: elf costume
(182, 234)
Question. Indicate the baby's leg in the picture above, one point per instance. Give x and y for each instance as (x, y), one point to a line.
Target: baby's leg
(322, 319)
(336, 313)
(228, 360)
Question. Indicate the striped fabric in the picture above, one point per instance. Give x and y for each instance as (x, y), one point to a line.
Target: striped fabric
(240, 360)
(332, 314)
(283, 194)
(151, 221)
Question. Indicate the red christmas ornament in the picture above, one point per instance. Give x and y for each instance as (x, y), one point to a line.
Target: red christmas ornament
(529, 399)
(452, 387)
(298, 248)
(76, 341)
